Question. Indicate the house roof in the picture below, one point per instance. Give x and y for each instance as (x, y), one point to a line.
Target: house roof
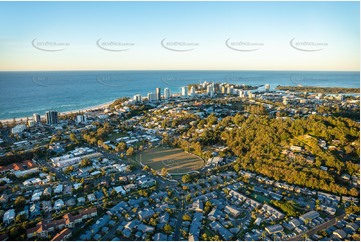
(352, 226)
(60, 236)
(69, 218)
(160, 237)
(340, 233)
(19, 166)
(88, 211)
(309, 215)
(145, 228)
(274, 229)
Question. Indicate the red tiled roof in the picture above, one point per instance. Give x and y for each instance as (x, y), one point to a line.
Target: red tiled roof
(60, 236)
(19, 166)
(69, 218)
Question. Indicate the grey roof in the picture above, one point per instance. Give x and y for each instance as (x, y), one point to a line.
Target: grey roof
(288, 226)
(86, 236)
(310, 215)
(127, 233)
(160, 237)
(47, 191)
(352, 226)
(164, 218)
(215, 213)
(146, 214)
(145, 228)
(100, 223)
(119, 207)
(340, 233)
(274, 229)
(196, 225)
(295, 222)
(132, 224)
(97, 236)
(34, 210)
(105, 229)
(223, 232)
(232, 210)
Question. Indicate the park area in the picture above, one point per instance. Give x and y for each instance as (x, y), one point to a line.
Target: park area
(175, 160)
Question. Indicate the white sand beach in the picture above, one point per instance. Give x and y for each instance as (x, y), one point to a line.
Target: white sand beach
(87, 109)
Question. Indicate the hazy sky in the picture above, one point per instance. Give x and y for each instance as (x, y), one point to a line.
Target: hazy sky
(261, 36)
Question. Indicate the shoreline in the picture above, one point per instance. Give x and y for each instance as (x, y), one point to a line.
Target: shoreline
(86, 109)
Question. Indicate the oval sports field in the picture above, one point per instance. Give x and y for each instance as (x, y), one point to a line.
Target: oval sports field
(175, 160)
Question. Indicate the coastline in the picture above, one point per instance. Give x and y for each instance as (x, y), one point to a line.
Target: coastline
(86, 109)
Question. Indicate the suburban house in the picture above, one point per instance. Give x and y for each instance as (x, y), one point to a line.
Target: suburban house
(62, 235)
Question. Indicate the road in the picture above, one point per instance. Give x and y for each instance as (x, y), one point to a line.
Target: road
(111, 234)
(318, 228)
(163, 184)
(179, 218)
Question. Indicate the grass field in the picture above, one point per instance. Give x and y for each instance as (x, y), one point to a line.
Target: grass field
(260, 198)
(115, 136)
(175, 160)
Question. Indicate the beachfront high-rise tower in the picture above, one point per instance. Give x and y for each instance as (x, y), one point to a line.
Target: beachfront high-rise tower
(51, 117)
(166, 93)
(36, 117)
(185, 91)
(158, 93)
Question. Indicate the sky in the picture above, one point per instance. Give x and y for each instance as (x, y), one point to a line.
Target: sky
(179, 36)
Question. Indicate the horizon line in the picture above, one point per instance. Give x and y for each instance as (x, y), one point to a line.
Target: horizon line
(179, 70)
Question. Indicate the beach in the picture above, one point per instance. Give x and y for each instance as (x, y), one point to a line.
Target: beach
(87, 109)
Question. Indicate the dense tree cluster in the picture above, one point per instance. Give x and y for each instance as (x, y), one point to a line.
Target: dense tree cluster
(319, 89)
(99, 135)
(259, 142)
(286, 207)
(10, 159)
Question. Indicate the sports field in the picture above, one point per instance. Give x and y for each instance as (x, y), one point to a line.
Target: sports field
(175, 160)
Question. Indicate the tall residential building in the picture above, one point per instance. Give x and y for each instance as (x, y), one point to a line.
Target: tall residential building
(31, 123)
(210, 90)
(223, 90)
(204, 84)
(192, 91)
(137, 98)
(166, 93)
(185, 91)
(152, 96)
(80, 118)
(37, 118)
(230, 90)
(158, 93)
(241, 93)
(51, 117)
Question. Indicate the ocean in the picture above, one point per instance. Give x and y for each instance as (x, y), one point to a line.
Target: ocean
(24, 93)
